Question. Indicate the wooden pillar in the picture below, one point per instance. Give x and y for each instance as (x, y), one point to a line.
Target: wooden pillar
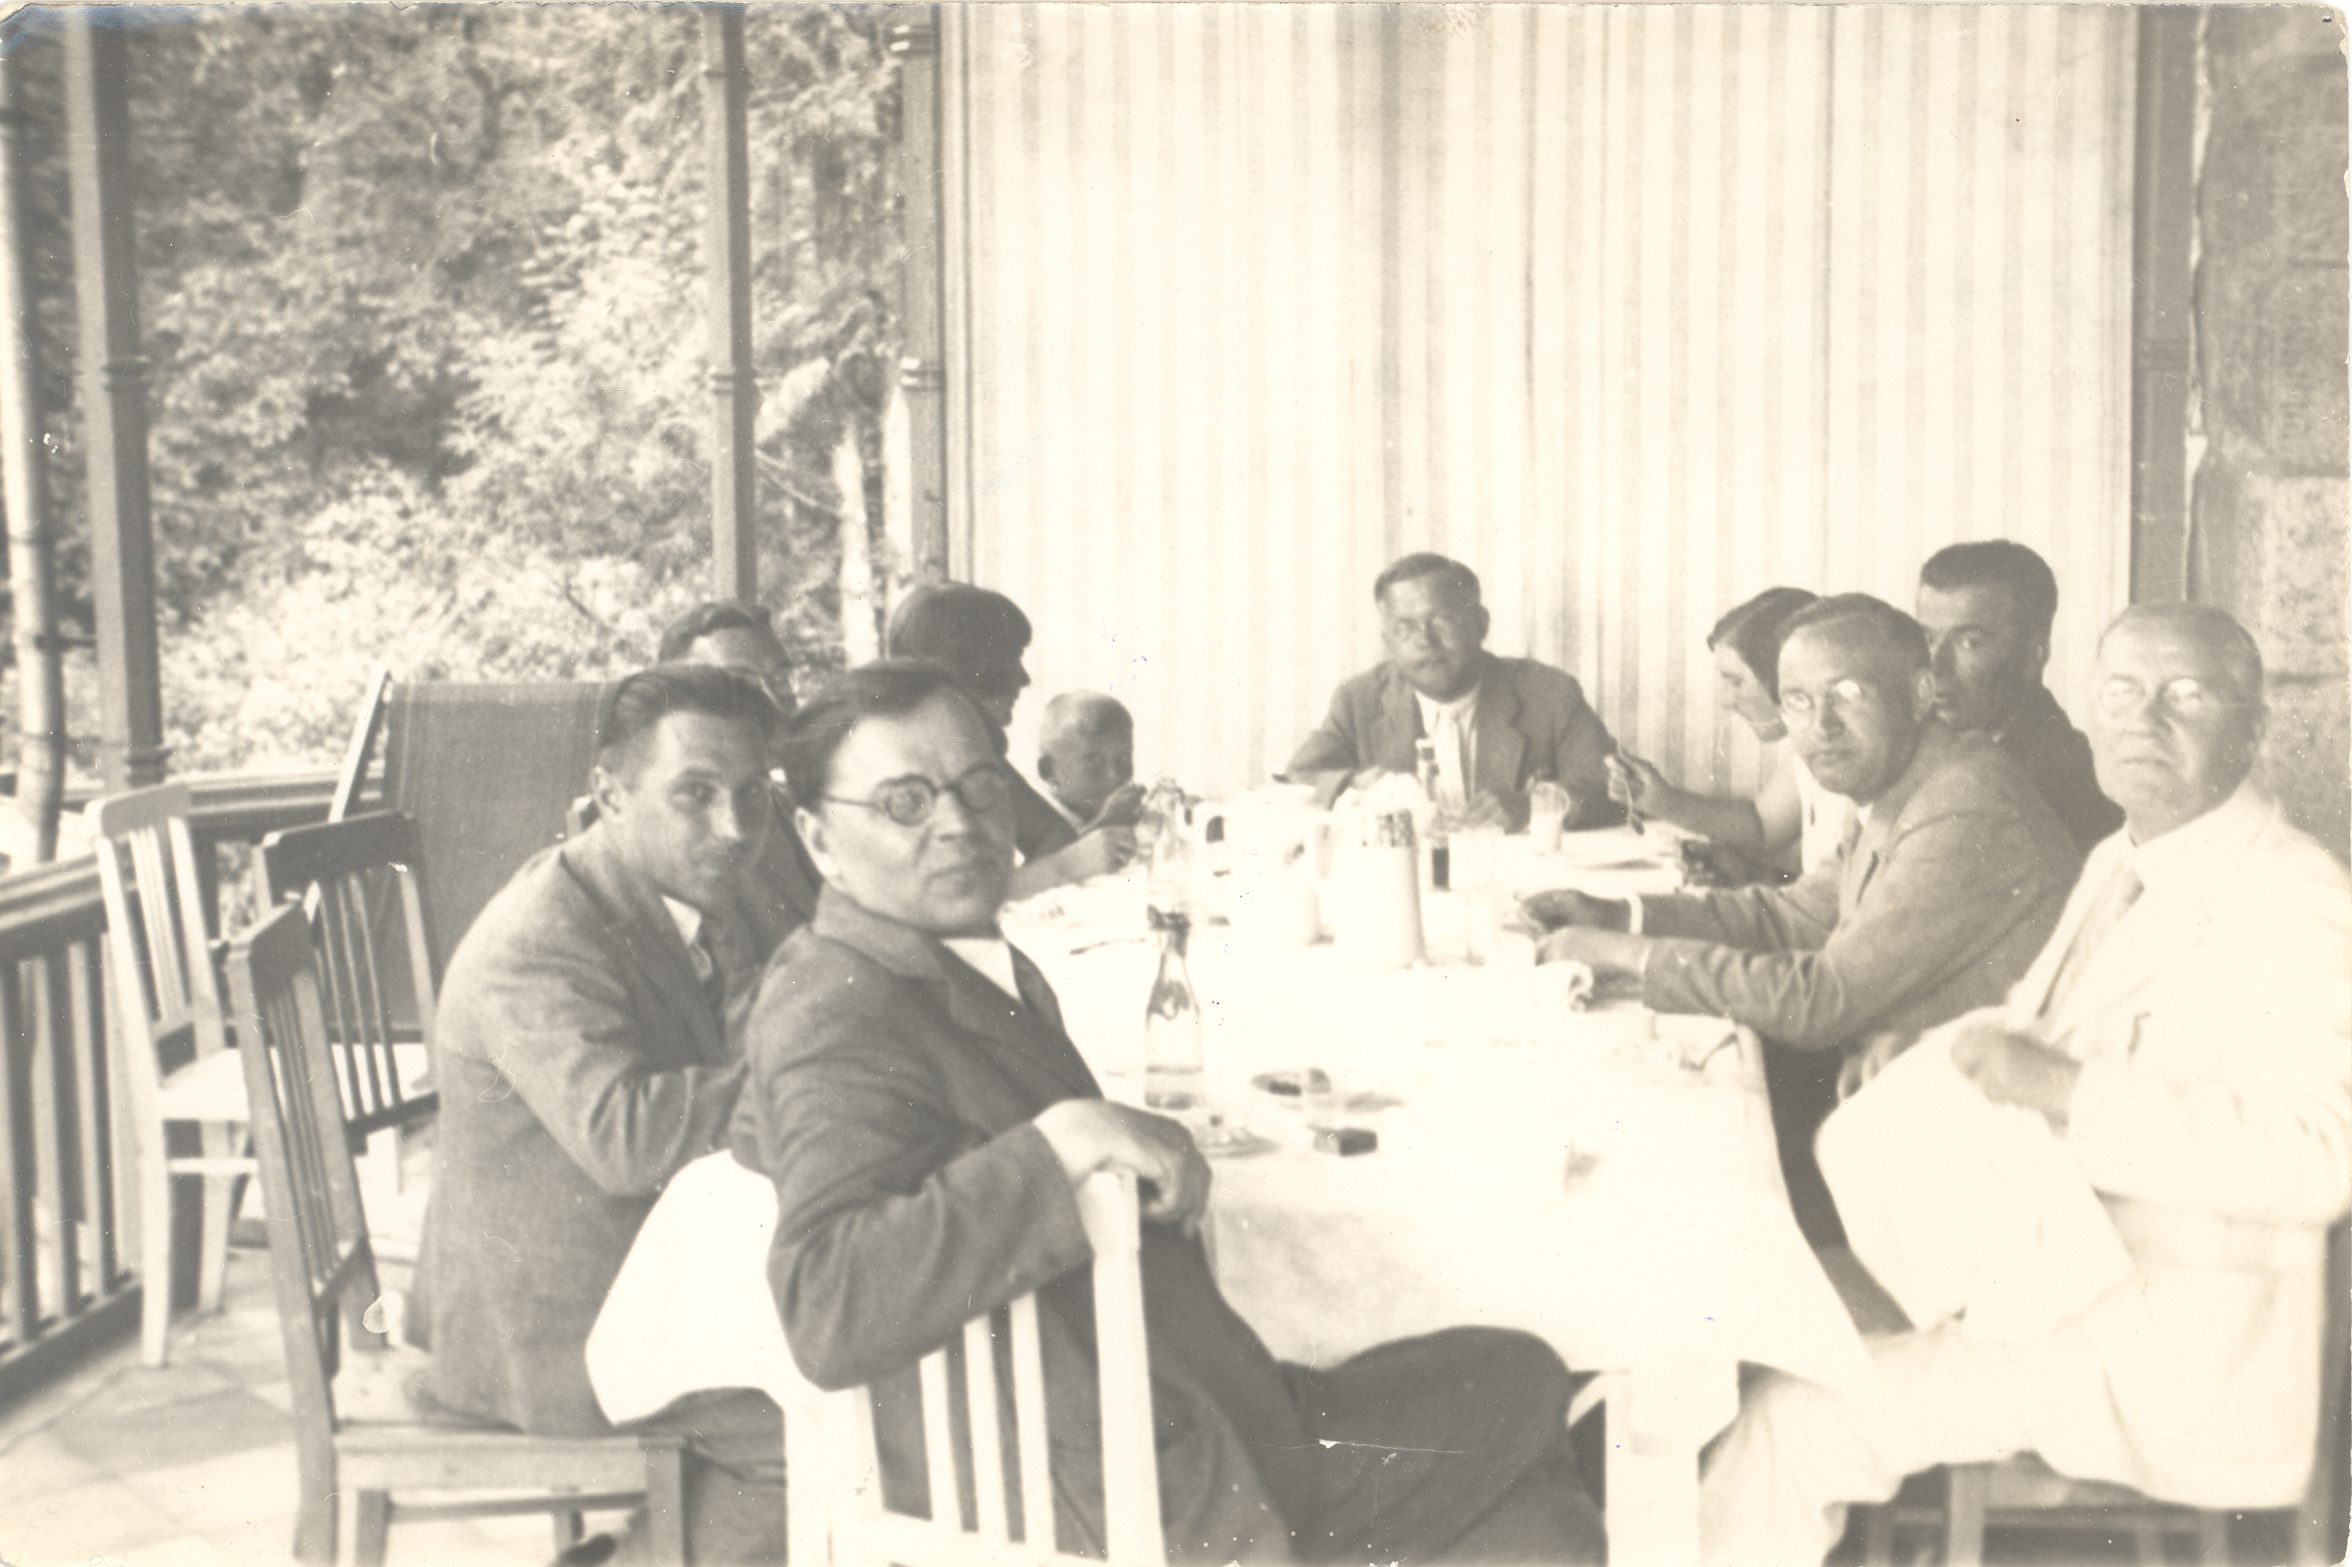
(114, 400)
(922, 368)
(40, 675)
(734, 392)
(2163, 326)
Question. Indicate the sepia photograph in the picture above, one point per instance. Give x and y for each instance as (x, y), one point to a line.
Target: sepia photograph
(1024, 782)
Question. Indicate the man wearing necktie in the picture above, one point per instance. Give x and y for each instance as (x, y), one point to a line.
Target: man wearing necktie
(584, 1057)
(1948, 880)
(2187, 1033)
(1497, 724)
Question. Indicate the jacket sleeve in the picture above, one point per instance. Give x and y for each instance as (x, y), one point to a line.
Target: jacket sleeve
(892, 1229)
(1577, 763)
(1947, 888)
(560, 1026)
(2267, 1133)
(1330, 755)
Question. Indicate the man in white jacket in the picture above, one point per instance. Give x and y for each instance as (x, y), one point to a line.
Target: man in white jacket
(2187, 1032)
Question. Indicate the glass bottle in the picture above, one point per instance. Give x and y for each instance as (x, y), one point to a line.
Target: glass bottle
(1440, 857)
(1168, 850)
(1173, 1054)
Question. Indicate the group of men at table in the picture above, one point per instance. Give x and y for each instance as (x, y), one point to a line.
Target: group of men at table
(780, 936)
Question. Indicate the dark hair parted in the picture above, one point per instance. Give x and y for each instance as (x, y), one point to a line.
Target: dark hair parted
(708, 618)
(634, 706)
(966, 628)
(1756, 628)
(1897, 636)
(1454, 579)
(1998, 563)
(886, 688)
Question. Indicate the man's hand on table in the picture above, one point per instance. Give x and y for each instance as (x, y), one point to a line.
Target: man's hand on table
(1101, 851)
(2015, 1069)
(1087, 1135)
(1485, 811)
(1552, 910)
(1612, 955)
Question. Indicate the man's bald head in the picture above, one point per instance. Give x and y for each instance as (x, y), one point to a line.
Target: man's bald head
(1086, 750)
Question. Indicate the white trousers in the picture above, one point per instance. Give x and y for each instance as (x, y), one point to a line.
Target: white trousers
(1778, 1483)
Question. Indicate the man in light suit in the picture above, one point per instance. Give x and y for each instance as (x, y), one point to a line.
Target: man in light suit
(925, 1120)
(1499, 724)
(1950, 878)
(583, 1059)
(2187, 1031)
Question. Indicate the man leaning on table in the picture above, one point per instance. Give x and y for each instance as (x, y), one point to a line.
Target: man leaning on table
(1499, 723)
(2187, 1034)
(583, 1059)
(925, 1120)
(1947, 882)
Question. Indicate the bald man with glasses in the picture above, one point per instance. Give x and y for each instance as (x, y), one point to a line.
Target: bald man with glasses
(2186, 1034)
(1947, 882)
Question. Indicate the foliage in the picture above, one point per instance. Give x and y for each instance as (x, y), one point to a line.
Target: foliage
(423, 295)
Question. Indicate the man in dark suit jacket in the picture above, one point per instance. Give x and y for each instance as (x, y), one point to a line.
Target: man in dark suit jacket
(1949, 880)
(925, 1120)
(1499, 723)
(583, 1058)
(1987, 608)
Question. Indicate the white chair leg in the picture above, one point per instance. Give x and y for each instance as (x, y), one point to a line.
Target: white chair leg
(155, 1238)
(220, 1195)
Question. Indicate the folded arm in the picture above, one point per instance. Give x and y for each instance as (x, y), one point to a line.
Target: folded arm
(573, 1043)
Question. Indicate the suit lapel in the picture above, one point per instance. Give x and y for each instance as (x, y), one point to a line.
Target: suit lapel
(2149, 940)
(1500, 743)
(642, 928)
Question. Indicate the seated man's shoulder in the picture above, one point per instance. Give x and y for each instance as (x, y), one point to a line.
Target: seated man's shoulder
(817, 992)
(544, 908)
(1548, 684)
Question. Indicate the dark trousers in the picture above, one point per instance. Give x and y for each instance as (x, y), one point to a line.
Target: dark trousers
(1801, 1086)
(734, 1476)
(1451, 1447)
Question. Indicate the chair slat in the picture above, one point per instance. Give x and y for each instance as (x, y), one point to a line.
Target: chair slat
(331, 951)
(939, 1442)
(19, 1249)
(988, 1470)
(1029, 1427)
(54, 1096)
(1131, 1471)
(88, 1043)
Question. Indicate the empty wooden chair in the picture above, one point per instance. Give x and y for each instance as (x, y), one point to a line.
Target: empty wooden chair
(356, 1433)
(175, 1063)
(362, 887)
(486, 770)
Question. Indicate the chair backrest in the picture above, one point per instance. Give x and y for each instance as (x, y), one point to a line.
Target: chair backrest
(361, 885)
(320, 1258)
(487, 772)
(862, 1530)
(167, 996)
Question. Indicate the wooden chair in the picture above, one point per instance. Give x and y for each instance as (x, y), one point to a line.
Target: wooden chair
(2023, 1494)
(361, 884)
(174, 1060)
(837, 1512)
(486, 771)
(355, 1430)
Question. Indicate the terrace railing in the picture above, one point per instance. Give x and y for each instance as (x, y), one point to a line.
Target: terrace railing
(68, 1282)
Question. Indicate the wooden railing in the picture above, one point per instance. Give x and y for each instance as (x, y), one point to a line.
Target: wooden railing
(66, 1203)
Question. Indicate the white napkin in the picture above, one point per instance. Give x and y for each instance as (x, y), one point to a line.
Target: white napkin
(1964, 1208)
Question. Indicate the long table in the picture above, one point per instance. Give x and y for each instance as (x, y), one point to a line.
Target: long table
(1571, 1173)
(1566, 1173)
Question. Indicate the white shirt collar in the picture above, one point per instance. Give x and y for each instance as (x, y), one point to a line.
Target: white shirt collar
(1463, 709)
(687, 918)
(992, 956)
(2203, 847)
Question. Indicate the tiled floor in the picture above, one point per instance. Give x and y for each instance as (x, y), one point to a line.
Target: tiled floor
(192, 1464)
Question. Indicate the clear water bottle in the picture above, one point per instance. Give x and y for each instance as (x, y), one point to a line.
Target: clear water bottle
(1174, 1062)
(1166, 829)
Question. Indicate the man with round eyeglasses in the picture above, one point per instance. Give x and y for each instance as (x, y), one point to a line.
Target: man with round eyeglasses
(926, 1120)
(1947, 882)
(2186, 1034)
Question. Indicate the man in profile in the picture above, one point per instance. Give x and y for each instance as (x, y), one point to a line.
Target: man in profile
(2186, 1035)
(1497, 724)
(583, 1059)
(1946, 884)
(1987, 609)
(1086, 759)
